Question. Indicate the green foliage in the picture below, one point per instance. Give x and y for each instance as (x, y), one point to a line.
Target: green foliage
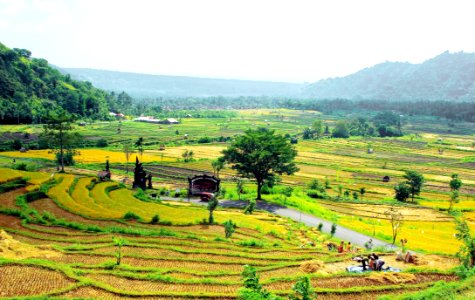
(101, 143)
(155, 219)
(212, 204)
(303, 290)
(249, 209)
(30, 88)
(333, 229)
(414, 180)
(316, 194)
(229, 228)
(253, 290)
(455, 184)
(261, 154)
(131, 216)
(218, 165)
(341, 130)
(467, 251)
(402, 192)
(20, 166)
(252, 243)
(287, 191)
(187, 155)
(320, 227)
(119, 243)
(68, 158)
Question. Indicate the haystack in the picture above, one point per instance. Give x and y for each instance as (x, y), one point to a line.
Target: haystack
(311, 266)
(13, 249)
(389, 277)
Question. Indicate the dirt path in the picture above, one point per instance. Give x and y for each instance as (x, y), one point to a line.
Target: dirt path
(342, 233)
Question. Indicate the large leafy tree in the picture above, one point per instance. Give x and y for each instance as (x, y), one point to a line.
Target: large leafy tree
(455, 185)
(261, 154)
(57, 131)
(414, 180)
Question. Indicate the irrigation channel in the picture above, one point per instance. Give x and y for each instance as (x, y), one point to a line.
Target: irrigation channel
(342, 233)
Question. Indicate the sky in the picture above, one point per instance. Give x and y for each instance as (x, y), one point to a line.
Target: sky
(293, 41)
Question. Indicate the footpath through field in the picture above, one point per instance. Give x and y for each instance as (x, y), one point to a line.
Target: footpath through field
(342, 233)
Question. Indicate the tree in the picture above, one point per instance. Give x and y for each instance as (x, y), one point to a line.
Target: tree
(218, 165)
(139, 145)
(455, 185)
(261, 154)
(341, 130)
(212, 204)
(127, 148)
(396, 218)
(333, 229)
(57, 131)
(318, 128)
(402, 192)
(229, 228)
(303, 290)
(362, 192)
(253, 290)
(415, 180)
(187, 155)
(308, 133)
(249, 209)
(239, 187)
(119, 242)
(467, 251)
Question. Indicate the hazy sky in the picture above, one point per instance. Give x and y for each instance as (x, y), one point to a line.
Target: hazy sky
(267, 40)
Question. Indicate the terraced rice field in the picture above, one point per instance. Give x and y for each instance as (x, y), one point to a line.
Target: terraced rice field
(74, 256)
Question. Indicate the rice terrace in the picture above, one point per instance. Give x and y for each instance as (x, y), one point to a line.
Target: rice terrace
(127, 185)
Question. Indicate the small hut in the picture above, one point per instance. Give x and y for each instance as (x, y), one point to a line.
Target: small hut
(386, 178)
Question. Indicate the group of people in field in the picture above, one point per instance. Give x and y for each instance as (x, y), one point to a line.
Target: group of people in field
(372, 262)
(342, 248)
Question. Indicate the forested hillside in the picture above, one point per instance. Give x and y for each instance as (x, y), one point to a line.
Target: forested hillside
(154, 86)
(449, 76)
(29, 88)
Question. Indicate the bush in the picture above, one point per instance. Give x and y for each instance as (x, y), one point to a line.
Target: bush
(101, 143)
(204, 140)
(316, 194)
(155, 219)
(20, 166)
(131, 216)
(333, 230)
(287, 191)
(252, 243)
(266, 190)
(229, 228)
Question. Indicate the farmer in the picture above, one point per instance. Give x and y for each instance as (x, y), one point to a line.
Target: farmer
(341, 248)
(348, 247)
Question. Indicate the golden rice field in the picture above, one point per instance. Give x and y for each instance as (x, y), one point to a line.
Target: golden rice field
(71, 253)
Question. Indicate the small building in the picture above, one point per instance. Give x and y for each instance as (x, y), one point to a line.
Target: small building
(148, 120)
(169, 121)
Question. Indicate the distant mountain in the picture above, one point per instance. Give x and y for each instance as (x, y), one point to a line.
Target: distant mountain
(448, 76)
(151, 86)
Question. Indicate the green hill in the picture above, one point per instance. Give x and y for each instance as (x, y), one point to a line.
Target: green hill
(29, 88)
(448, 76)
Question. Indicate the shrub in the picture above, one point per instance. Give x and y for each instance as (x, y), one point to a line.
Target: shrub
(155, 219)
(316, 194)
(20, 166)
(252, 243)
(229, 228)
(101, 143)
(287, 191)
(333, 230)
(131, 216)
(320, 227)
